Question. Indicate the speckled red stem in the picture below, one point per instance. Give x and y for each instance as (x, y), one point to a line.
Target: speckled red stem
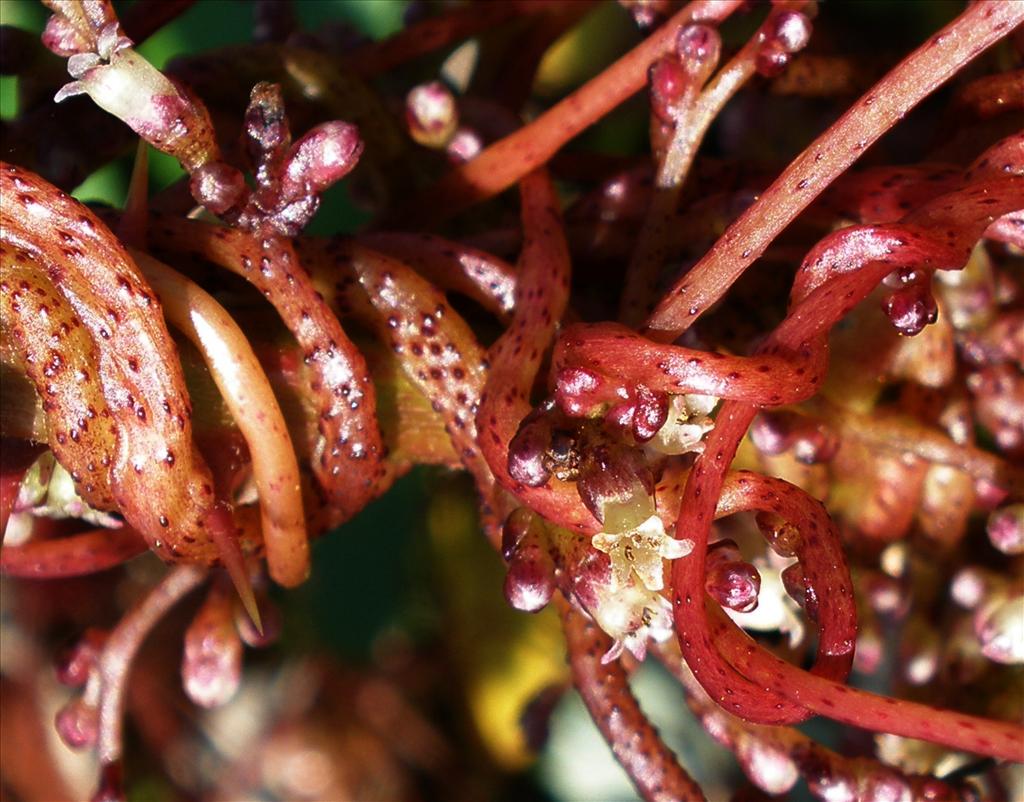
(650, 764)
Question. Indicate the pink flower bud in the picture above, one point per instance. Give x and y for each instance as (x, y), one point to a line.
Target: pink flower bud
(464, 146)
(527, 451)
(698, 47)
(1006, 529)
(78, 724)
(76, 664)
(792, 30)
(530, 581)
(796, 586)
(211, 667)
(516, 526)
(650, 413)
(999, 625)
(911, 309)
(730, 581)
(218, 186)
(431, 115)
(767, 764)
(324, 155)
(771, 59)
(772, 432)
(669, 81)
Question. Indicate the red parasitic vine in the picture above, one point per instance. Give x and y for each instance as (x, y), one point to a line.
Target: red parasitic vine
(758, 415)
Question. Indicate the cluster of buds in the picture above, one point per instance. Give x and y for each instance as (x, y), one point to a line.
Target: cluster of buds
(432, 118)
(676, 78)
(289, 176)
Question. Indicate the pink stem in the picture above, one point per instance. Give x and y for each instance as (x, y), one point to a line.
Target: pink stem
(650, 764)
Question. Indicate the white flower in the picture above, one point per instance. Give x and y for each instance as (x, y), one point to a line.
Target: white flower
(686, 425)
(642, 550)
(630, 615)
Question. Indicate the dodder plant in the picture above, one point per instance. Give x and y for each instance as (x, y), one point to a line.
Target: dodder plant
(870, 419)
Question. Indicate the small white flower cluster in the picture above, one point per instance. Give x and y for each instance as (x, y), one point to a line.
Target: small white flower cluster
(632, 609)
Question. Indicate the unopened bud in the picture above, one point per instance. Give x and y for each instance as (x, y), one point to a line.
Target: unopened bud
(792, 30)
(211, 667)
(75, 664)
(771, 59)
(911, 309)
(699, 47)
(730, 580)
(782, 536)
(516, 526)
(431, 114)
(322, 156)
(464, 146)
(796, 586)
(218, 186)
(78, 724)
(999, 626)
(530, 581)
(1006, 529)
(766, 764)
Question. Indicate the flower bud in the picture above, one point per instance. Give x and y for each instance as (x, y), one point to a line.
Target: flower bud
(699, 47)
(796, 586)
(431, 115)
(792, 30)
(464, 146)
(911, 308)
(530, 581)
(1006, 529)
(999, 625)
(772, 432)
(322, 156)
(730, 581)
(218, 186)
(516, 526)
(78, 724)
(879, 784)
(669, 82)
(767, 764)
(211, 667)
(76, 664)
(919, 653)
(528, 450)
(771, 59)
(970, 586)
